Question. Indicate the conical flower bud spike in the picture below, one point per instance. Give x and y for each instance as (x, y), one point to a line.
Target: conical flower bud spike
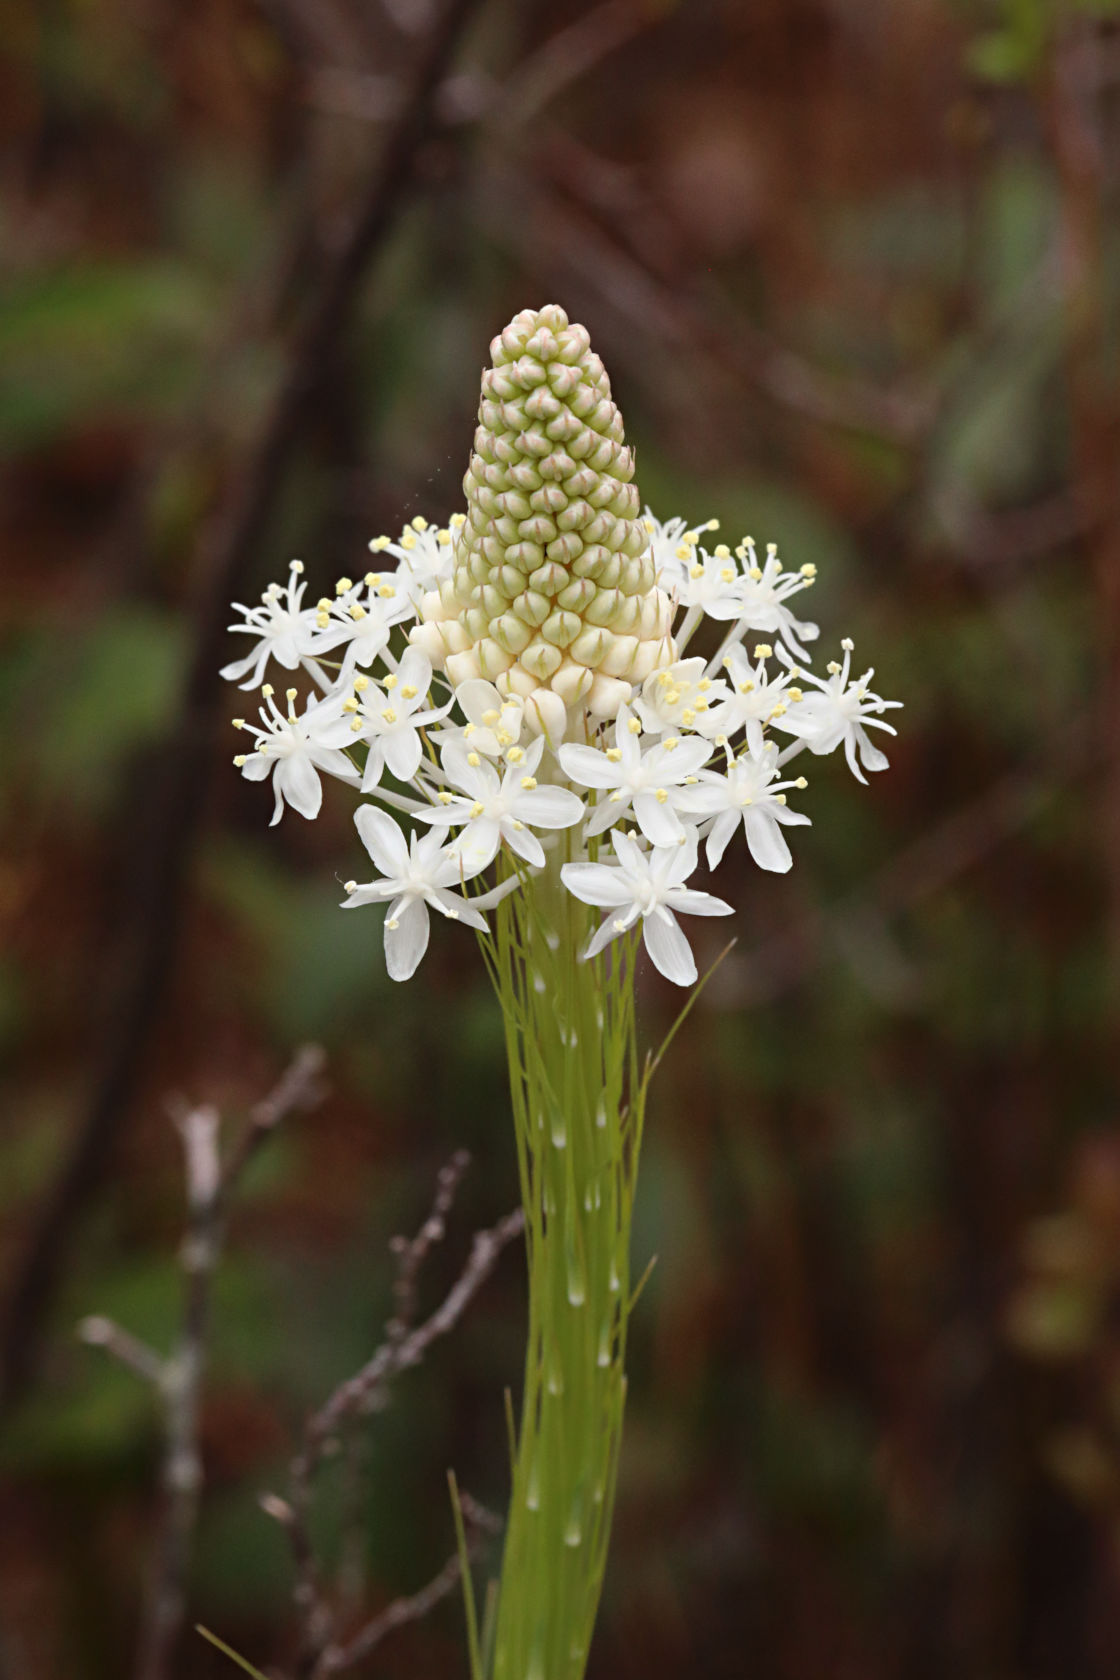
(553, 596)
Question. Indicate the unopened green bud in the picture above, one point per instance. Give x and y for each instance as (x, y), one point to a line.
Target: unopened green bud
(554, 585)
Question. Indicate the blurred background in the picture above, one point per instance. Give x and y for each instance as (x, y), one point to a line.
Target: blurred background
(853, 267)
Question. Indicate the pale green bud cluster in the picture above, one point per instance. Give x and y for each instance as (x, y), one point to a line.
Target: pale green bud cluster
(553, 595)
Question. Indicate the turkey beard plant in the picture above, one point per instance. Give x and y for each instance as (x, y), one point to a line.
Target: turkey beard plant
(539, 756)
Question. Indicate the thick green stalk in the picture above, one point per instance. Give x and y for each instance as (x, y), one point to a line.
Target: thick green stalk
(577, 1101)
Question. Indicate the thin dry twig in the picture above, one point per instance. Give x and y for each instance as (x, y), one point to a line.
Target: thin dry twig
(177, 1376)
(404, 1346)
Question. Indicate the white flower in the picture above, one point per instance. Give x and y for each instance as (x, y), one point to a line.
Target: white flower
(839, 712)
(417, 873)
(390, 715)
(765, 590)
(749, 793)
(756, 698)
(713, 584)
(294, 749)
(679, 696)
(285, 631)
(360, 618)
(651, 782)
(673, 545)
(493, 720)
(425, 554)
(492, 808)
(650, 885)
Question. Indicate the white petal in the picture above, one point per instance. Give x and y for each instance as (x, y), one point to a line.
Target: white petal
(658, 822)
(767, 843)
(589, 767)
(257, 766)
(609, 930)
(668, 948)
(406, 943)
(403, 751)
(597, 883)
(524, 842)
(456, 909)
(549, 807)
(720, 836)
(415, 670)
(298, 779)
(688, 901)
(383, 840)
(870, 756)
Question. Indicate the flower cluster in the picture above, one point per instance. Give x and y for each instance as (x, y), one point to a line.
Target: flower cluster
(518, 685)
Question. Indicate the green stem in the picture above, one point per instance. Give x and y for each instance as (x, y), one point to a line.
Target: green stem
(577, 1102)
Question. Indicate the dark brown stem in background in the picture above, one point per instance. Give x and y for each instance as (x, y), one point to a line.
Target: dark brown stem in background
(177, 1378)
(227, 551)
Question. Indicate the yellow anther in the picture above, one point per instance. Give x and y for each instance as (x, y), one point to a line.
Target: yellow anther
(490, 716)
(503, 737)
(808, 569)
(688, 717)
(239, 760)
(350, 705)
(801, 782)
(722, 552)
(727, 574)
(324, 604)
(443, 537)
(833, 668)
(477, 808)
(764, 651)
(388, 715)
(648, 523)
(663, 678)
(419, 523)
(619, 925)
(712, 525)
(446, 798)
(746, 687)
(392, 922)
(473, 760)
(378, 544)
(673, 697)
(515, 755)
(634, 726)
(703, 685)
(456, 520)
(343, 584)
(267, 691)
(408, 539)
(696, 571)
(386, 592)
(361, 683)
(290, 693)
(238, 723)
(322, 619)
(350, 886)
(702, 706)
(847, 644)
(372, 579)
(614, 754)
(779, 799)
(617, 795)
(778, 711)
(356, 726)
(297, 566)
(392, 680)
(528, 783)
(518, 825)
(684, 552)
(661, 796)
(468, 731)
(357, 611)
(409, 691)
(794, 694)
(755, 572)
(670, 742)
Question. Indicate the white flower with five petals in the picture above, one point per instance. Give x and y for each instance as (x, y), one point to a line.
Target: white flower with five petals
(751, 794)
(650, 781)
(841, 711)
(294, 749)
(418, 873)
(284, 629)
(360, 618)
(492, 808)
(649, 885)
(389, 717)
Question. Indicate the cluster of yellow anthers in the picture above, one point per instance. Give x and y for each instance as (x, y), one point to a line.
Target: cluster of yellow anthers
(553, 594)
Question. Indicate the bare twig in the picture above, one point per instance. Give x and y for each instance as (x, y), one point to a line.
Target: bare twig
(177, 1377)
(225, 554)
(403, 1347)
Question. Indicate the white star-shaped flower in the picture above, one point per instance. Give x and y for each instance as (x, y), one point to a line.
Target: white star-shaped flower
(492, 808)
(751, 794)
(713, 584)
(679, 696)
(650, 781)
(757, 697)
(294, 749)
(764, 592)
(417, 873)
(285, 631)
(494, 720)
(425, 555)
(673, 546)
(390, 715)
(841, 712)
(649, 885)
(360, 618)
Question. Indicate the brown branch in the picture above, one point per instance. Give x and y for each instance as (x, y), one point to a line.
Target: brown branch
(177, 1378)
(226, 552)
